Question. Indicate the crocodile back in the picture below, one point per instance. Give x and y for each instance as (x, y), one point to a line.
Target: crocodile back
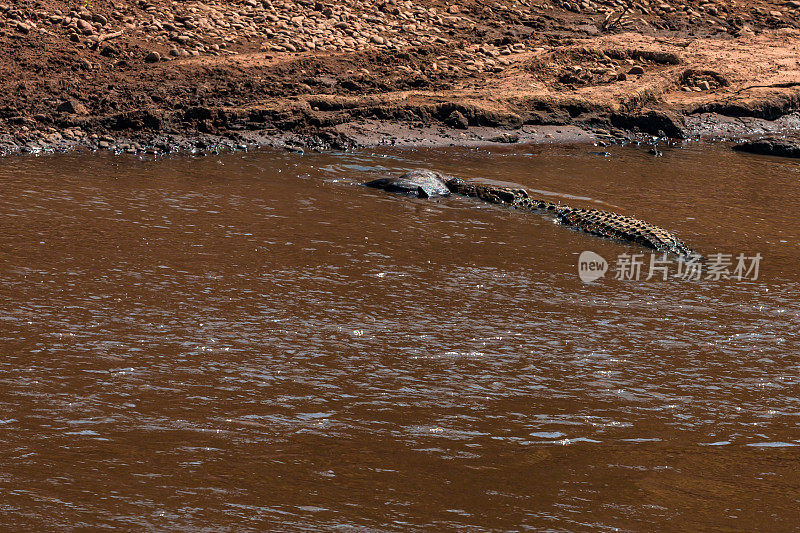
(518, 198)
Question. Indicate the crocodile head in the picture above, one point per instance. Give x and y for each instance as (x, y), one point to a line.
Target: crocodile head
(421, 183)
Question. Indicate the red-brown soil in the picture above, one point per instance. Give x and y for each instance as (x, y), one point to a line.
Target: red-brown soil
(337, 71)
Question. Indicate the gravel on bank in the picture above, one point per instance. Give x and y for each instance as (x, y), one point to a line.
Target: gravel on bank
(157, 76)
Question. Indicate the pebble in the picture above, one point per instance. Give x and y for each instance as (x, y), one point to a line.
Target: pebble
(72, 107)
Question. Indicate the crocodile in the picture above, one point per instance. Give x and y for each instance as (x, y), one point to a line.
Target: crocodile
(426, 183)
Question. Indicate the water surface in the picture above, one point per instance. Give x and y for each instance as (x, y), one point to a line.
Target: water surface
(253, 341)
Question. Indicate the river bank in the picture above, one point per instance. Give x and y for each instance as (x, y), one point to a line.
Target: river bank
(155, 76)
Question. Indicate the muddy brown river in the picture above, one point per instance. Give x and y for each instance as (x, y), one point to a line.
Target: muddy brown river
(256, 342)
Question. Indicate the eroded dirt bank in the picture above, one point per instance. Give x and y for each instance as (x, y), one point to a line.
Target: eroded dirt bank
(153, 75)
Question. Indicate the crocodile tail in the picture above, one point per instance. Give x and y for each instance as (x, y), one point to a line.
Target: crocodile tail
(621, 227)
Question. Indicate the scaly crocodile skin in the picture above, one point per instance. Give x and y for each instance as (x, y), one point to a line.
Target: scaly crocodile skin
(593, 221)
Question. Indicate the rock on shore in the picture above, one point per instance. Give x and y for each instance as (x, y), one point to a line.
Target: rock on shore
(783, 147)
